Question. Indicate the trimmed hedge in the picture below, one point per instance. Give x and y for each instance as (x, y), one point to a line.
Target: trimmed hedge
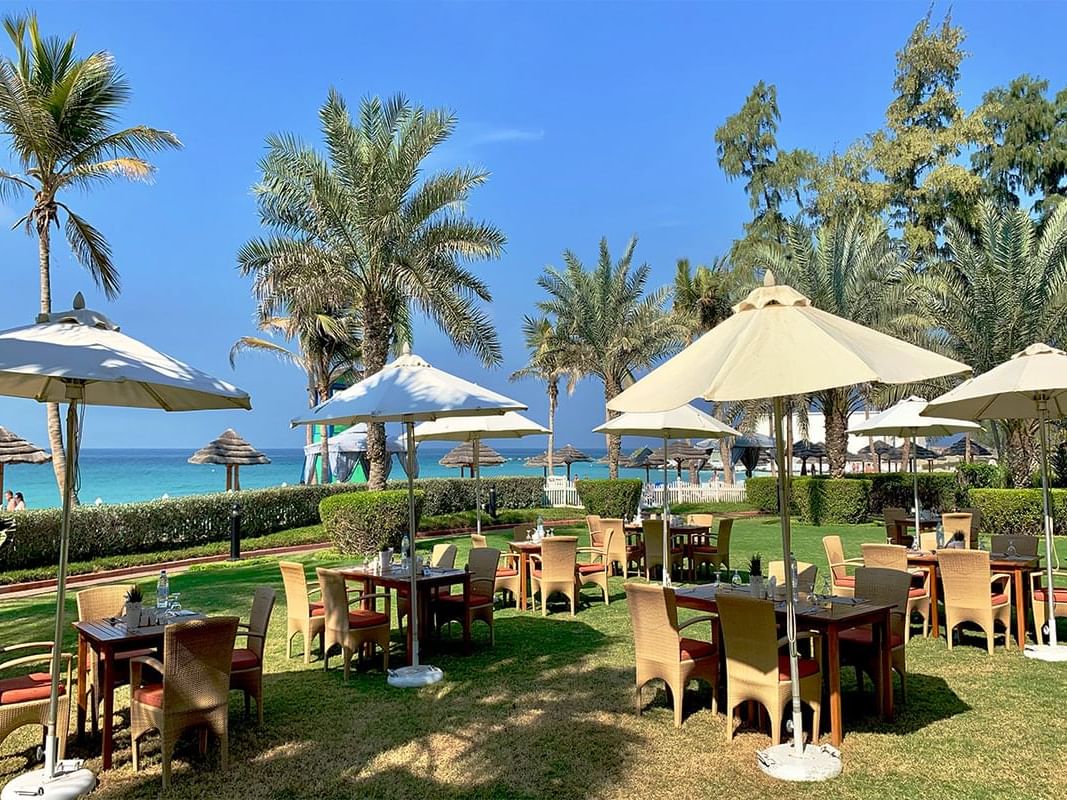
(361, 523)
(938, 491)
(815, 500)
(981, 476)
(1018, 511)
(451, 495)
(762, 492)
(616, 499)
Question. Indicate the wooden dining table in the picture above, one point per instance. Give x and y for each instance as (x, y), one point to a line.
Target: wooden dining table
(1018, 567)
(829, 619)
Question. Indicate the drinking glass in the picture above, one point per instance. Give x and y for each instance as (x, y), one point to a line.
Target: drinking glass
(173, 605)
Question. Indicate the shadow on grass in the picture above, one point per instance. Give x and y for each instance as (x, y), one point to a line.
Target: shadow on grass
(929, 700)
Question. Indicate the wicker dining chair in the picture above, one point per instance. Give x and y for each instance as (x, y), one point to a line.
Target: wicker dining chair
(520, 532)
(881, 586)
(895, 556)
(652, 537)
(612, 539)
(928, 541)
(554, 571)
(194, 691)
(806, 575)
(841, 583)
(24, 698)
(479, 540)
(972, 594)
(1024, 545)
(1039, 599)
(891, 515)
(757, 670)
(482, 566)
(960, 522)
(246, 667)
(102, 602)
(352, 629)
(595, 571)
(593, 524)
(713, 555)
(302, 615)
(703, 520)
(663, 652)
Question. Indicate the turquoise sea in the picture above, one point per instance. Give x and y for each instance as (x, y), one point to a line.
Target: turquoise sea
(124, 476)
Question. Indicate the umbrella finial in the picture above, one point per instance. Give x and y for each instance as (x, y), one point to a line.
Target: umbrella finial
(768, 279)
(79, 301)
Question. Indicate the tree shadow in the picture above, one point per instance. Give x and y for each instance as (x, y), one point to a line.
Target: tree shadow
(929, 700)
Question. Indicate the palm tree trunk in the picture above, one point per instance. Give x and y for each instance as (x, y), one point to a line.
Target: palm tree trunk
(55, 424)
(836, 418)
(553, 402)
(725, 447)
(377, 332)
(611, 388)
(324, 442)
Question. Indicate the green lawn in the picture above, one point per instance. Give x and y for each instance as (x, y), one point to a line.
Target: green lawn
(548, 712)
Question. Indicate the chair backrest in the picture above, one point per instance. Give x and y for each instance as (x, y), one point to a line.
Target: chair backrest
(806, 574)
(593, 523)
(477, 540)
(958, 522)
(835, 555)
(889, 556)
(749, 637)
(928, 541)
(259, 619)
(196, 664)
(443, 555)
(518, 533)
(559, 555)
(704, 520)
(722, 540)
(101, 602)
(334, 599)
(481, 563)
(652, 534)
(654, 618)
(296, 589)
(965, 577)
(892, 513)
(886, 586)
(1025, 545)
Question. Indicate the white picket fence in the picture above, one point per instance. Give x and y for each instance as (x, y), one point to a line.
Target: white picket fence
(561, 493)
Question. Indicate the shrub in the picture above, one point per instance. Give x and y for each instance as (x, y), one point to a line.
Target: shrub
(980, 476)
(1018, 511)
(359, 523)
(938, 491)
(762, 492)
(452, 495)
(610, 498)
(832, 500)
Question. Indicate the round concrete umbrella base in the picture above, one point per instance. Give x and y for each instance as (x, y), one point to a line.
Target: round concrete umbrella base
(414, 677)
(69, 782)
(785, 763)
(1046, 652)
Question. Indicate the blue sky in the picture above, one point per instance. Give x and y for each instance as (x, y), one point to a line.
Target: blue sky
(594, 118)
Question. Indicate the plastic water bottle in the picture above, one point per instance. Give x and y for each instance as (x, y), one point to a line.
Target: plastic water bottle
(940, 536)
(540, 527)
(796, 577)
(406, 547)
(162, 591)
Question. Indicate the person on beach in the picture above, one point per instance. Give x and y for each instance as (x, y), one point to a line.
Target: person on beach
(9, 500)
(20, 502)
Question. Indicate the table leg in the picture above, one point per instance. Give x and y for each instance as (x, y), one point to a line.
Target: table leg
(466, 617)
(83, 688)
(523, 570)
(1020, 609)
(885, 667)
(109, 705)
(935, 616)
(833, 655)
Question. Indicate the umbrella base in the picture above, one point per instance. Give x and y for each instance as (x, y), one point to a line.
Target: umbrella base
(69, 782)
(1046, 652)
(812, 764)
(415, 676)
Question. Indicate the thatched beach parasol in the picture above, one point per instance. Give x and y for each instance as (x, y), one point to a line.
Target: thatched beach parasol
(462, 456)
(233, 452)
(568, 454)
(16, 450)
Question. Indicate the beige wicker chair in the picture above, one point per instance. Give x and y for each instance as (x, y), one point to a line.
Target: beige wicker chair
(652, 530)
(482, 566)
(194, 691)
(102, 602)
(973, 595)
(611, 539)
(928, 541)
(1024, 545)
(302, 615)
(24, 698)
(479, 540)
(554, 570)
(806, 575)
(507, 574)
(882, 586)
(246, 667)
(841, 583)
(595, 571)
(624, 548)
(713, 555)
(1039, 599)
(518, 533)
(593, 524)
(704, 520)
(895, 556)
(757, 670)
(352, 629)
(960, 522)
(662, 652)
(892, 515)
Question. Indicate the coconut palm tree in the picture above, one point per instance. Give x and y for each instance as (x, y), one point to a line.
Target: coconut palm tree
(364, 205)
(609, 326)
(850, 268)
(995, 292)
(59, 112)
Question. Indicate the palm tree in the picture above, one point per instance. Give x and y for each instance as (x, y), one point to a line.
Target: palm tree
(850, 268)
(608, 325)
(364, 205)
(997, 291)
(59, 112)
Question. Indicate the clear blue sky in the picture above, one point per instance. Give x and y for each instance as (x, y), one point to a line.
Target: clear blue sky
(594, 118)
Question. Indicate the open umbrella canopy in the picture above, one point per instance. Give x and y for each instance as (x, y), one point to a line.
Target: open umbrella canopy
(804, 449)
(906, 419)
(924, 453)
(16, 450)
(686, 421)
(959, 448)
(511, 425)
(568, 454)
(881, 448)
(462, 455)
(228, 449)
(638, 459)
(679, 454)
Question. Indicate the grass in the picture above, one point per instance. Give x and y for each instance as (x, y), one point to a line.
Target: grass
(548, 712)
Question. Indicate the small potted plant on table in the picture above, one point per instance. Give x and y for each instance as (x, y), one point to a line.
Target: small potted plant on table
(134, 599)
(755, 575)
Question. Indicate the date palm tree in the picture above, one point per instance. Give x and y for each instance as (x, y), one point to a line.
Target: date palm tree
(609, 325)
(402, 237)
(59, 112)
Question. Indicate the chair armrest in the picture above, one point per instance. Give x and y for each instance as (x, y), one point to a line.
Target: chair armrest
(998, 577)
(150, 661)
(314, 590)
(252, 635)
(39, 658)
(534, 557)
(695, 620)
(360, 596)
(510, 557)
(24, 646)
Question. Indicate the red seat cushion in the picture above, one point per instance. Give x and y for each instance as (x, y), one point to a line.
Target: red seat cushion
(999, 599)
(807, 666)
(318, 609)
(150, 695)
(35, 686)
(506, 572)
(243, 658)
(677, 551)
(590, 569)
(865, 637)
(476, 599)
(846, 580)
(705, 548)
(364, 618)
(692, 649)
(1058, 595)
(917, 592)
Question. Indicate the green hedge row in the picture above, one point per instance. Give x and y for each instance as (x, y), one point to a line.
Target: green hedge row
(940, 491)
(451, 495)
(1018, 511)
(816, 500)
(362, 523)
(616, 499)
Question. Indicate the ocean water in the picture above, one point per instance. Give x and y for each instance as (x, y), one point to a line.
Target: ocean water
(125, 476)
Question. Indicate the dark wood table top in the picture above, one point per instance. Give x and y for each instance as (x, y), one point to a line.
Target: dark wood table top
(996, 560)
(685, 527)
(398, 577)
(840, 611)
(114, 631)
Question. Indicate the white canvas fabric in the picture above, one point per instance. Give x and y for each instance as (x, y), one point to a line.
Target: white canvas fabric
(684, 422)
(906, 419)
(511, 425)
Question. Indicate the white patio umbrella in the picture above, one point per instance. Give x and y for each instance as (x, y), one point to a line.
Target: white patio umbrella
(684, 422)
(777, 345)
(409, 390)
(511, 425)
(1030, 385)
(905, 419)
(79, 357)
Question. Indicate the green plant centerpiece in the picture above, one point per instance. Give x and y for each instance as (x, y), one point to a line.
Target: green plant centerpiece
(134, 600)
(755, 575)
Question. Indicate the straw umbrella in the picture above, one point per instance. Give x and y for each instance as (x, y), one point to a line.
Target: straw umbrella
(683, 422)
(778, 345)
(471, 431)
(233, 452)
(1030, 385)
(959, 448)
(905, 419)
(16, 450)
(805, 449)
(409, 390)
(79, 357)
(463, 457)
(680, 454)
(568, 454)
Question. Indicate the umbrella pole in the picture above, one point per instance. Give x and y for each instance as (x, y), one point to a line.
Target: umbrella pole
(915, 485)
(666, 521)
(413, 606)
(477, 487)
(1042, 415)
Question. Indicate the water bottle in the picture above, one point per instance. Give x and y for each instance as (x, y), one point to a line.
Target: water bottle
(406, 546)
(162, 591)
(540, 527)
(940, 536)
(796, 577)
